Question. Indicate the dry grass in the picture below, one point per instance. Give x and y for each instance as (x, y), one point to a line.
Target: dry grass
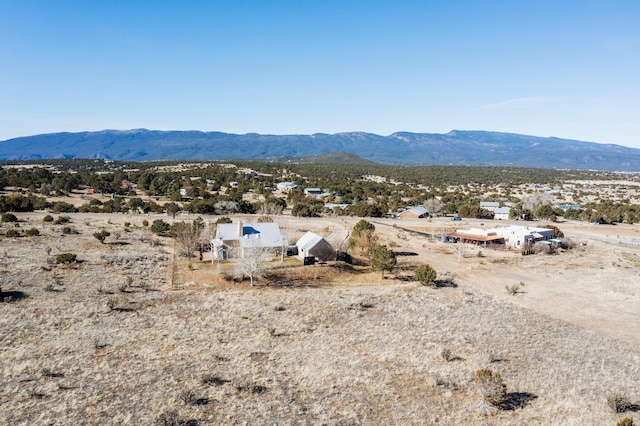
(317, 345)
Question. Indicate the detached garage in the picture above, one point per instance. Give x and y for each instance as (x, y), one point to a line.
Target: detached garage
(313, 245)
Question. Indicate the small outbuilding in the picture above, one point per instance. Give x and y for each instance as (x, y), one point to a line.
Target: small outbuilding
(417, 212)
(313, 245)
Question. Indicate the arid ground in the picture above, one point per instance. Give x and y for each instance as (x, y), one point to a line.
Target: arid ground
(133, 334)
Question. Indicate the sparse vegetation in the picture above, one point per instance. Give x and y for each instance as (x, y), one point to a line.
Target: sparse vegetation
(618, 402)
(32, 232)
(101, 235)
(318, 362)
(12, 233)
(61, 220)
(66, 258)
(514, 288)
(9, 217)
(491, 388)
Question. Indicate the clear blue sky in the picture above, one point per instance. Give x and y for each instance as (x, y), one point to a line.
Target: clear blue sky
(548, 68)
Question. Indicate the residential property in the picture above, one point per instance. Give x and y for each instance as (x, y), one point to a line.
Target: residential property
(524, 236)
(312, 192)
(233, 238)
(512, 237)
(286, 186)
(502, 213)
(313, 245)
(565, 207)
(489, 205)
(414, 213)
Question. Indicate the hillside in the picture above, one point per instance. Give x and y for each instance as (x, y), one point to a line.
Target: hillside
(472, 148)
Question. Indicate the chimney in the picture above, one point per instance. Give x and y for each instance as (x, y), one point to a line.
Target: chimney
(240, 226)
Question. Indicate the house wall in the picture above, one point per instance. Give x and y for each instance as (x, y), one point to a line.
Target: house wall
(408, 214)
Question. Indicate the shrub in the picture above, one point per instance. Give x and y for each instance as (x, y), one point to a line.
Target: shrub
(33, 232)
(514, 289)
(12, 233)
(47, 218)
(189, 397)
(112, 303)
(169, 418)
(101, 235)
(491, 387)
(145, 223)
(67, 230)
(213, 380)
(66, 258)
(627, 421)
(618, 402)
(61, 220)
(447, 355)
(425, 274)
(160, 227)
(9, 217)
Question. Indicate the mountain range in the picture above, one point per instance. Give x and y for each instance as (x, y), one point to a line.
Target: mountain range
(473, 148)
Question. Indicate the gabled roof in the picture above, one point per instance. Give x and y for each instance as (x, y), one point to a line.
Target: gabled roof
(308, 241)
(260, 234)
(419, 210)
(503, 210)
(489, 204)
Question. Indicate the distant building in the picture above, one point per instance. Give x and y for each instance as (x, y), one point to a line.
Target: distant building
(489, 205)
(502, 213)
(414, 213)
(286, 186)
(312, 192)
(565, 207)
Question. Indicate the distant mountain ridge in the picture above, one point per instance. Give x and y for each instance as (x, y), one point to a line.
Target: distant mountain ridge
(473, 148)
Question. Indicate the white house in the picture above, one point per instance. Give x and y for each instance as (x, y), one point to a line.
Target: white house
(513, 237)
(286, 186)
(524, 236)
(502, 213)
(233, 238)
(313, 245)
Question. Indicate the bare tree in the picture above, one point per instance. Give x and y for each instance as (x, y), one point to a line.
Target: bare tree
(188, 236)
(433, 206)
(226, 207)
(250, 264)
(533, 201)
(270, 208)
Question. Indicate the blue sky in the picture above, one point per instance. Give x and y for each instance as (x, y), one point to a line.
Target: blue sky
(569, 69)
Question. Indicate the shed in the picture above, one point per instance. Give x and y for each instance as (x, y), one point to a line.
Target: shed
(313, 245)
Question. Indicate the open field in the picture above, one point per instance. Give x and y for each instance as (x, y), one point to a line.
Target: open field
(130, 332)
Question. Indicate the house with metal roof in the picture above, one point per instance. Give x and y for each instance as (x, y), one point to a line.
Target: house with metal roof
(233, 238)
(502, 213)
(489, 205)
(416, 212)
(513, 237)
